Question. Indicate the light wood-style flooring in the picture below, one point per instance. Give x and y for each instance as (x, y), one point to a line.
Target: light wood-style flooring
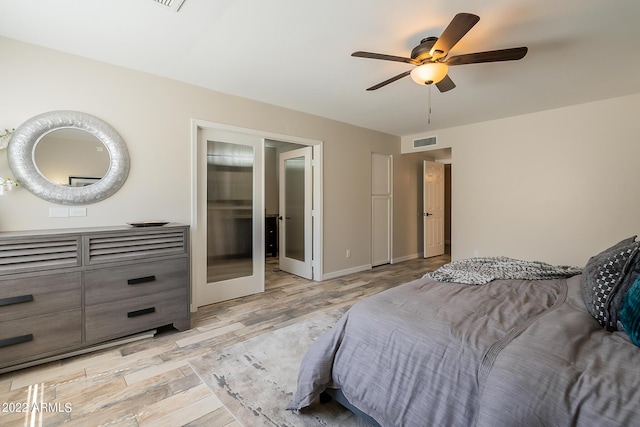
(150, 382)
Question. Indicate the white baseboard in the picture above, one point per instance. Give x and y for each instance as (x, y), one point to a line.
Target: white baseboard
(334, 274)
(407, 257)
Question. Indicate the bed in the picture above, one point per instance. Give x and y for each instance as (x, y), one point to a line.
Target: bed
(504, 351)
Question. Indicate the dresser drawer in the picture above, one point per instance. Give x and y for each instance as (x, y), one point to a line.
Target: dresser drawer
(31, 296)
(39, 336)
(133, 315)
(136, 243)
(135, 280)
(25, 255)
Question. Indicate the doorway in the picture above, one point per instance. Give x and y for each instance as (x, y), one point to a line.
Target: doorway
(289, 191)
(409, 204)
(230, 203)
(433, 208)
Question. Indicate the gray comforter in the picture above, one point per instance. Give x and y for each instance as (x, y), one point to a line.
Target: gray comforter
(511, 352)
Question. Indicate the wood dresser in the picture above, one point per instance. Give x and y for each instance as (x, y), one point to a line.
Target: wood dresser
(67, 290)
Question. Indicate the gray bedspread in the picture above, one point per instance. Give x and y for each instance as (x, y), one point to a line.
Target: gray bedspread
(511, 352)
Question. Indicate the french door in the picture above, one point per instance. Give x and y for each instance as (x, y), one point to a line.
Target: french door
(296, 216)
(232, 203)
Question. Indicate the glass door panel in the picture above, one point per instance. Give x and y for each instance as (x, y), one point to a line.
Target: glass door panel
(230, 178)
(294, 207)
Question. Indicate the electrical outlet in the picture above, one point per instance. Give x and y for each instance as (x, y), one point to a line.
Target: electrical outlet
(348, 253)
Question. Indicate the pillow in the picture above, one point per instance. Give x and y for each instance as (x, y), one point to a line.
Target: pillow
(602, 277)
(629, 277)
(630, 312)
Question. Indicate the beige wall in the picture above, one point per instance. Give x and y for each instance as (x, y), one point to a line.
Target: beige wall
(555, 186)
(153, 115)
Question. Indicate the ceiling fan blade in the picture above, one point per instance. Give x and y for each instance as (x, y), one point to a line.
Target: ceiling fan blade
(457, 28)
(512, 54)
(382, 56)
(445, 84)
(391, 80)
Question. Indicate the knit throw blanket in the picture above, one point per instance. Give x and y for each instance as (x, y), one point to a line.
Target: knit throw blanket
(479, 271)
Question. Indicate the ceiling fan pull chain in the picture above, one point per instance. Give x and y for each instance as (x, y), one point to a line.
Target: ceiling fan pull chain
(429, 106)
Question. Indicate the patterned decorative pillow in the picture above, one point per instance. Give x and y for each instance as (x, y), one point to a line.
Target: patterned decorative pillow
(629, 277)
(630, 312)
(602, 278)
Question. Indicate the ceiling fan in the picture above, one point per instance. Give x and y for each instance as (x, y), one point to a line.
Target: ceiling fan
(430, 56)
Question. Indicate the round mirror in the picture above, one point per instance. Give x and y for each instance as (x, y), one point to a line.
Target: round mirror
(68, 157)
(71, 157)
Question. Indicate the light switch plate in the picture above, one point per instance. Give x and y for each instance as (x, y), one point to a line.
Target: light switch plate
(77, 211)
(58, 212)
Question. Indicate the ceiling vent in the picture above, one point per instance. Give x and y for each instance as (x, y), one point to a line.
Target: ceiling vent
(425, 142)
(171, 4)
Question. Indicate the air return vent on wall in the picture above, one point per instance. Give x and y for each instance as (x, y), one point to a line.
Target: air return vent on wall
(425, 142)
(171, 4)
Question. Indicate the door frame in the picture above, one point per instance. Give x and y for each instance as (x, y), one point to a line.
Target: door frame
(199, 225)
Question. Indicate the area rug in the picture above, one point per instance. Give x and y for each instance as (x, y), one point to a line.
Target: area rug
(256, 379)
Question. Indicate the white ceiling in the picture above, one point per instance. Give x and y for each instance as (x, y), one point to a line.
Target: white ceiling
(296, 53)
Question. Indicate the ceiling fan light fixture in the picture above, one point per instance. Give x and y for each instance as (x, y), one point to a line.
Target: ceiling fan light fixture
(429, 73)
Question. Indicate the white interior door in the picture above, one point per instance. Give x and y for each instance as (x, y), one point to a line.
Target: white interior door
(230, 202)
(295, 213)
(433, 208)
(381, 208)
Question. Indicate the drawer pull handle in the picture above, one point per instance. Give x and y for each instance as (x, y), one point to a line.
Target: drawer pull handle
(16, 300)
(141, 280)
(141, 312)
(16, 340)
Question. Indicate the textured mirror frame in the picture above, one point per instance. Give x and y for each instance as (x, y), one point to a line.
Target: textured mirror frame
(21, 157)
